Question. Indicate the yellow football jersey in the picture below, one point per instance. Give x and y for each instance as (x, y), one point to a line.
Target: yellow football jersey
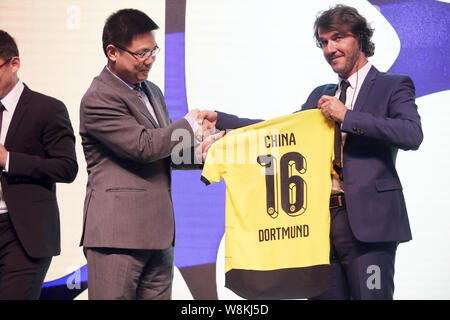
(278, 186)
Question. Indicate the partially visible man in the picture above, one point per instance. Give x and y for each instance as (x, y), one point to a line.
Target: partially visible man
(128, 139)
(37, 149)
(377, 114)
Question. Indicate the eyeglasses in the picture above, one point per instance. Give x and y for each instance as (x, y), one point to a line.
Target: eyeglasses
(5, 63)
(141, 56)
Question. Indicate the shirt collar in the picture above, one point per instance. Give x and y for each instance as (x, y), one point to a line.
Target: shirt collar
(358, 77)
(12, 98)
(131, 86)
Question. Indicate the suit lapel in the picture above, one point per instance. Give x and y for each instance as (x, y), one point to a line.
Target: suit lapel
(21, 108)
(365, 89)
(156, 106)
(140, 105)
(123, 90)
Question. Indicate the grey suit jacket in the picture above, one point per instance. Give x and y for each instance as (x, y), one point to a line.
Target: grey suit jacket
(128, 200)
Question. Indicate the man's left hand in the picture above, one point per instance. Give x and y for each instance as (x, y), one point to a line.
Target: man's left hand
(202, 150)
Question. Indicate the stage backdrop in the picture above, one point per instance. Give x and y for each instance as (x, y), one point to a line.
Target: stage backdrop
(224, 55)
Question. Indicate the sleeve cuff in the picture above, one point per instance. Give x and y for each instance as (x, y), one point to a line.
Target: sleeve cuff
(205, 181)
(194, 126)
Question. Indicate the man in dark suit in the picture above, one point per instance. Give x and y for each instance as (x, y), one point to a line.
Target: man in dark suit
(377, 114)
(37, 149)
(128, 139)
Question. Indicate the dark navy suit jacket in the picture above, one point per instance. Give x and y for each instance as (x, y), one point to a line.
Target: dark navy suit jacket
(383, 120)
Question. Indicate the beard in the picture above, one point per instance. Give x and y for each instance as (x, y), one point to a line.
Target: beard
(347, 64)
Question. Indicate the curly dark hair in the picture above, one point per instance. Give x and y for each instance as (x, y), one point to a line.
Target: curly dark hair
(344, 18)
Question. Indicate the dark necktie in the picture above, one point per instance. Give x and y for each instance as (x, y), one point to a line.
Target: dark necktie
(343, 94)
(337, 164)
(138, 87)
(2, 108)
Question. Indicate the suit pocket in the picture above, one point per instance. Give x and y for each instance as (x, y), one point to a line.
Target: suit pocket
(125, 190)
(388, 185)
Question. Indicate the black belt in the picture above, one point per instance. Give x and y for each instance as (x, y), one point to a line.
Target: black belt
(337, 200)
(4, 216)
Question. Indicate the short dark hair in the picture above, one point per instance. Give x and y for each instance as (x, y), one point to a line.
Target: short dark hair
(121, 26)
(8, 47)
(340, 16)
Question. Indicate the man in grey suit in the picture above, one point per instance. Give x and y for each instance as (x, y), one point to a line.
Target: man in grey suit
(128, 231)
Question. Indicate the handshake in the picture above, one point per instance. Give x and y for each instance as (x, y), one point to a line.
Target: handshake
(206, 133)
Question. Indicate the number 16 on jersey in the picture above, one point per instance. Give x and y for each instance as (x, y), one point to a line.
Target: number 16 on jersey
(292, 189)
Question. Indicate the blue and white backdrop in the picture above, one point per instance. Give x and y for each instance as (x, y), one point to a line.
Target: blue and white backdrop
(225, 55)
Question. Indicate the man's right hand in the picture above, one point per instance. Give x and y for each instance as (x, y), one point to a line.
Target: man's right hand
(208, 119)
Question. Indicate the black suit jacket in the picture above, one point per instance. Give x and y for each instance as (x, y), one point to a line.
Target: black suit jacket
(41, 147)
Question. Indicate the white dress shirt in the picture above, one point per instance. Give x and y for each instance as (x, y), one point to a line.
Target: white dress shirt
(355, 82)
(10, 103)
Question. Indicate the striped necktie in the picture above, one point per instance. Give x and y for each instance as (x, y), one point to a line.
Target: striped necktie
(138, 89)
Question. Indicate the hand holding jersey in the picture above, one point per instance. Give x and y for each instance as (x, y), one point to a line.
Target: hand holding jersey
(332, 108)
